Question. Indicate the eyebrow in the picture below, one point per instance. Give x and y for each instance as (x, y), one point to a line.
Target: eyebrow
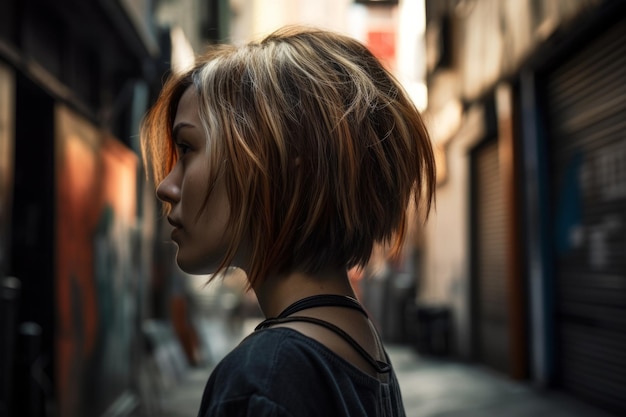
(178, 127)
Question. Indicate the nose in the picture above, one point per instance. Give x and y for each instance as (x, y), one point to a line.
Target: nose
(168, 190)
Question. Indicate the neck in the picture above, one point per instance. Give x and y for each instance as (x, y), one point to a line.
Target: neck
(277, 292)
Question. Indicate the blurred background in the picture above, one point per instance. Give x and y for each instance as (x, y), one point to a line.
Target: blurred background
(510, 300)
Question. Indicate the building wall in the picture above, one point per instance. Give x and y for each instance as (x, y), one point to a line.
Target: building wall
(471, 47)
(253, 19)
(7, 91)
(183, 14)
(74, 82)
(394, 33)
(446, 268)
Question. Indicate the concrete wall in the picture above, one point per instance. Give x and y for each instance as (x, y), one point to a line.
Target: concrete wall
(489, 40)
(446, 255)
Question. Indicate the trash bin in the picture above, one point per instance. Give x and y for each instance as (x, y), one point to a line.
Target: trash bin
(401, 292)
(430, 328)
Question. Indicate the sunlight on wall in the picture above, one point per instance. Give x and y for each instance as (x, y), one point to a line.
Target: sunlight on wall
(272, 14)
(394, 34)
(411, 50)
(183, 56)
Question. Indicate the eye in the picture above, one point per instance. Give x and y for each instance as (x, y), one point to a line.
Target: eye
(182, 148)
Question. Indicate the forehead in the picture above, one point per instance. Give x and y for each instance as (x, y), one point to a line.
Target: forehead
(187, 111)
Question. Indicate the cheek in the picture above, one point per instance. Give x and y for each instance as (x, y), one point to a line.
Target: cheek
(193, 190)
(212, 218)
(215, 217)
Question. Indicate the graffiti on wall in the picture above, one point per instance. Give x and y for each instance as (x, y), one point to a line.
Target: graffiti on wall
(96, 281)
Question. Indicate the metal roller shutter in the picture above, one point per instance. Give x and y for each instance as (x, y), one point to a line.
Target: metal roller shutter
(587, 139)
(490, 260)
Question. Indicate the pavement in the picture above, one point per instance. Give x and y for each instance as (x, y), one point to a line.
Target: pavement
(445, 388)
(430, 388)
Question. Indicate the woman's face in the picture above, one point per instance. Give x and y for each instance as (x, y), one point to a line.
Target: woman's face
(199, 230)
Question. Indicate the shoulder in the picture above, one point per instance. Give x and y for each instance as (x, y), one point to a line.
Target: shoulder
(278, 355)
(267, 356)
(255, 356)
(273, 369)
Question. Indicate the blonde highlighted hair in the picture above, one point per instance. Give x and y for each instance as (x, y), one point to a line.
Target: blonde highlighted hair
(323, 149)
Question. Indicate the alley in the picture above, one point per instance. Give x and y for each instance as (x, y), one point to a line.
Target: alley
(430, 387)
(520, 264)
(439, 388)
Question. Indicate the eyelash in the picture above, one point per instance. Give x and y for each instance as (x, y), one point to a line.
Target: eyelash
(182, 148)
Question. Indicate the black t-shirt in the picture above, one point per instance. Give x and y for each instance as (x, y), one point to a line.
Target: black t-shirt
(280, 372)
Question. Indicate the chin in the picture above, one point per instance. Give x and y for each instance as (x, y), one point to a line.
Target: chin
(193, 267)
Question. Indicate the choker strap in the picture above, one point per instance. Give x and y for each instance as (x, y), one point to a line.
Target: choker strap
(322, 300)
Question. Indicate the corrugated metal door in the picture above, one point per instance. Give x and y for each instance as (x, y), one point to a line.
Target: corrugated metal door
(490, 305)
(587, 137)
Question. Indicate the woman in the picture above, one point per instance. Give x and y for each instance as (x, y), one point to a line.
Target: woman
(291, 158)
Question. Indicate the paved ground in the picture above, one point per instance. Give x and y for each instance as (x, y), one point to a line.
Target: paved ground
(434, 388)
(431, 388)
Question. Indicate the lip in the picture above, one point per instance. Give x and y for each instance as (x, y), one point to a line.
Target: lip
(174, 223)
(174, 235)
(177, 228)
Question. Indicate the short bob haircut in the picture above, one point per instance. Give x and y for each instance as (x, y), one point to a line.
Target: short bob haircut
(320, 147)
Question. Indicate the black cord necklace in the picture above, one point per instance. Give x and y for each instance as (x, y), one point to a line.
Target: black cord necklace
(325, 300)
